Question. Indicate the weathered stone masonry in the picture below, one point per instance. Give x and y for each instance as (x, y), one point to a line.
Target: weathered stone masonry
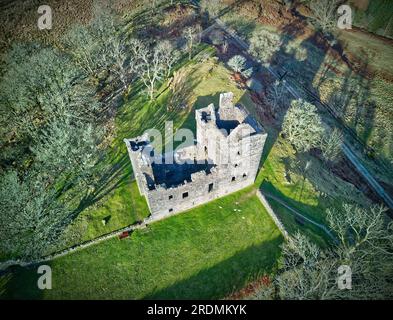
(224, 159)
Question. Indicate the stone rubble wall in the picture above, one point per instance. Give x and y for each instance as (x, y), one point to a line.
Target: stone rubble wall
(140, 225)
(275, 218)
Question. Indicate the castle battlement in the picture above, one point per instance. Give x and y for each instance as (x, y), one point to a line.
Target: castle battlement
(224, 159)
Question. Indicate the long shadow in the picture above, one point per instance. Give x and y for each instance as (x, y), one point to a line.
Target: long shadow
(227, 276)
(355, 92)
(291, 222)
(269, 188)
(306, 77)
(111, 177)
(20, 283)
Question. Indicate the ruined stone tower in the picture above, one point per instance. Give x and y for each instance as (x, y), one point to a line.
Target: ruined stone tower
(224, 159)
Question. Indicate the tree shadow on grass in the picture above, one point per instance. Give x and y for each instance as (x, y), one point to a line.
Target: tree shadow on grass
(268, 188)
(111, 178)
(227, 276)
(293, 222)
(20, 283)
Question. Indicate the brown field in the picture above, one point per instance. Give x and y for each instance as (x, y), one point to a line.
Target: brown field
(19, 19)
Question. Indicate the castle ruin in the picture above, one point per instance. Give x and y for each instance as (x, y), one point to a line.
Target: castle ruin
(224, 158)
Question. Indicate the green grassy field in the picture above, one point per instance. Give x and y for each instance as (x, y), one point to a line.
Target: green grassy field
(207, 252)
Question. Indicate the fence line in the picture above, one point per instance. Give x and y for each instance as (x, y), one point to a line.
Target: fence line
(113, 234)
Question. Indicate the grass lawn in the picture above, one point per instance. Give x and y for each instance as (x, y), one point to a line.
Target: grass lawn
(207, 252)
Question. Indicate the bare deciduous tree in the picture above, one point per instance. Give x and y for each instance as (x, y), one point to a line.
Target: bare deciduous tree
(192, 37)
(331, 145)
(169, 55)
(324, 13)
(277, 96)
(364, 243)
(308, 272)
(151, 64)
(120, 57)
(82, 46)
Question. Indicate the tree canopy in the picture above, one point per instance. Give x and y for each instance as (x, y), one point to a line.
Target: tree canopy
(302, 126)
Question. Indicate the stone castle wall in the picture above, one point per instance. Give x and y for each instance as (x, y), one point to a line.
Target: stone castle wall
(228, 139)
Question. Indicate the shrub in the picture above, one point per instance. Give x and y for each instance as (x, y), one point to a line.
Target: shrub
(247, 73)
(237, 63)
(264, 44)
